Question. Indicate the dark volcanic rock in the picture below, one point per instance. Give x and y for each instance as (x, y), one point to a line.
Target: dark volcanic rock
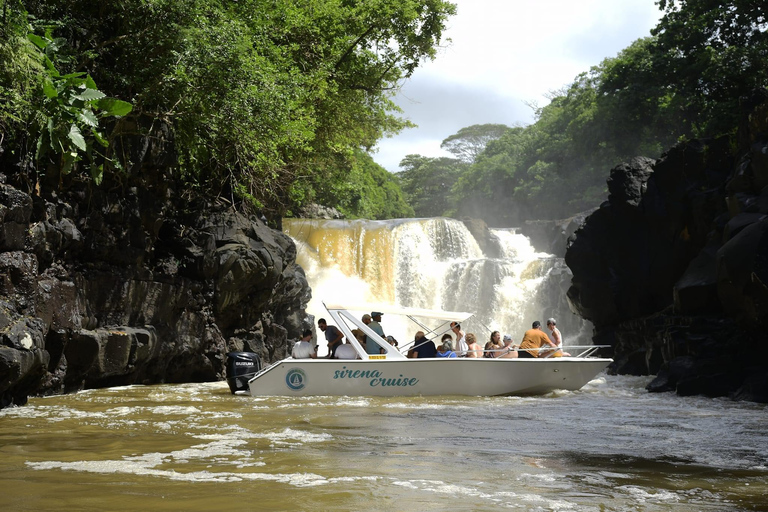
(673, 268)
(130, 283)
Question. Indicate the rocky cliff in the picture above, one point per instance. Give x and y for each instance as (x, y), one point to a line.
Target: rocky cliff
(136, 281)
(673, 268)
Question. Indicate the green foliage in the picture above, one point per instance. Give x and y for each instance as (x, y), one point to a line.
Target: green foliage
(260, 93)
(70, 113)
(714, 51)
(469, 142)
(427, 183)
(368, 191)
(19, 67)
(685, 81)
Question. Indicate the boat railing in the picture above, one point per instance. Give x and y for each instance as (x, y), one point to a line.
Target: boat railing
(586, 350)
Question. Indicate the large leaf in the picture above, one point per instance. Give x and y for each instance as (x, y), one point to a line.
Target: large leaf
(97, 173)
(90, 95)
(39, 41)
(88, 117)
(52, 71)
(99, 138)
(69, 160)
(74, 75)
(76, 137)
(49, 89)
(114, 107)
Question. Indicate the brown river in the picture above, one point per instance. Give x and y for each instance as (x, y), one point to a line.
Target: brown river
(194, 447)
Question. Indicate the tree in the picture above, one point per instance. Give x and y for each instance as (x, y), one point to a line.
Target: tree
(469, 142)
(368, 191)
(713, 52)
(427, 183)
(260, 94)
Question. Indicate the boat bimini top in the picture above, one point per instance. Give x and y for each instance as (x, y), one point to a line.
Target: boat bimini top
(343, 317)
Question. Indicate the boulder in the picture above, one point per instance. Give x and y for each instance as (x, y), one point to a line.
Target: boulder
(695, 293)
(15, 214)
(742, 274)
(488, 242)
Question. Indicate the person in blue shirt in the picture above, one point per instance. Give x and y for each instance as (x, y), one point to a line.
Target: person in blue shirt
(444, 350)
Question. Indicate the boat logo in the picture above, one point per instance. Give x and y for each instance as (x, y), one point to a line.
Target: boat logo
(296, 379)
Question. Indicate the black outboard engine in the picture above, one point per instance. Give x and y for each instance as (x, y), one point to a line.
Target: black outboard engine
(241, 367)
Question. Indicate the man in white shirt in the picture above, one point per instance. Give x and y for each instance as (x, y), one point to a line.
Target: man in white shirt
(346, 351)
(302, 349)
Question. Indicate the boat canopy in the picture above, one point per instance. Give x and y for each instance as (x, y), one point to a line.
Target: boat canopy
(343, 315)
(453, 316)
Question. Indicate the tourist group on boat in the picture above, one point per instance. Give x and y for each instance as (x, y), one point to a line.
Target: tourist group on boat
(535, 343)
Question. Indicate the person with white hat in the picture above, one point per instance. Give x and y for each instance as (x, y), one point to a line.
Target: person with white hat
(509, 351)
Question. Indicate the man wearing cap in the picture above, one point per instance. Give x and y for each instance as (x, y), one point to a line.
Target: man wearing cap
(534, 338)
(556, 338)
(372, 321)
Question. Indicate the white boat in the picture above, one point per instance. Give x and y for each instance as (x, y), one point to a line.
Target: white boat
(394, 374)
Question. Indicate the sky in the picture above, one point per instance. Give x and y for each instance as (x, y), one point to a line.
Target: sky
(505, 57)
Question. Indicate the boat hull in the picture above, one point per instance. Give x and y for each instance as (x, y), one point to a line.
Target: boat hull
(425, 377)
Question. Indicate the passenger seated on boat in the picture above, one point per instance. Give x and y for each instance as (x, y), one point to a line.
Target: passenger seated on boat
(534, 338)
(473, 348)
(371, 346)
(332, 335)
(346, 351)
(447, 338)
(494, 346)
(461, 340)
(392, 341)
(556, 338)
(444, 350)
(360, 336)
(422, 347)
(302, 349)
(508, 351)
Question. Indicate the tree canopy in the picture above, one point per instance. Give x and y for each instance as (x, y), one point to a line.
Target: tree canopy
(685, 80)
(261, 95)
(469, 142)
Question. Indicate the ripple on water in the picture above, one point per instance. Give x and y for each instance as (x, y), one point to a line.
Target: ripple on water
(571, 451)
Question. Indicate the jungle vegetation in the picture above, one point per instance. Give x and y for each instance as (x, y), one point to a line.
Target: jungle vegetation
(688, 79)
(274, 104)
(271, 103)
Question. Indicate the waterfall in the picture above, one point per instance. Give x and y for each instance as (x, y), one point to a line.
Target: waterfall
(434, 263)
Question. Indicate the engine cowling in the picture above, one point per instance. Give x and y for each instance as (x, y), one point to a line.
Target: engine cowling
(241, 367)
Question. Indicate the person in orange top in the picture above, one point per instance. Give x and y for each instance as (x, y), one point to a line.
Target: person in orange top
(534, 338)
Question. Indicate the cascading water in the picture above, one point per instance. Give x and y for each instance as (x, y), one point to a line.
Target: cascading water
(434, 263)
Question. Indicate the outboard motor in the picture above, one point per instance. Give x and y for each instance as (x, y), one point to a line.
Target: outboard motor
(241, 367)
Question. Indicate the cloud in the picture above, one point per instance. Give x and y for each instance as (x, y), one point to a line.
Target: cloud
(504, 54)
(442, 109)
